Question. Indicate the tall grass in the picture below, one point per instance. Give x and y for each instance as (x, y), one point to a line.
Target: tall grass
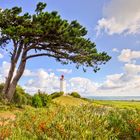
(85, 122)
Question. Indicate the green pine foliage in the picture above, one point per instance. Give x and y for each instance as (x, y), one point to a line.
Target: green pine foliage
(47, 31)
(44, 33)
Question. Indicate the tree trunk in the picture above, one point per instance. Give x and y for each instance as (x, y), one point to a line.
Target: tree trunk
(14, 59)
(15, 80)
(9, 78)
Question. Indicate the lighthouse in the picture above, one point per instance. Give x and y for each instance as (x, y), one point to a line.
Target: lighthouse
(62, 84)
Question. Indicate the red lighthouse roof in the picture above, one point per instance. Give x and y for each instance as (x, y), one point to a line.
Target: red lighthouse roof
(62, 77)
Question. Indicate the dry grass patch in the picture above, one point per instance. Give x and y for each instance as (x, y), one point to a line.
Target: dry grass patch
(68, 100)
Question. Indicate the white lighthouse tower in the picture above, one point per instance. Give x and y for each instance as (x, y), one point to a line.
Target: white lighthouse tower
(62, 84)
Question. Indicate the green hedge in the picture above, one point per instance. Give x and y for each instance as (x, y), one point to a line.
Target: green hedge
(75, 94)
(56, 94)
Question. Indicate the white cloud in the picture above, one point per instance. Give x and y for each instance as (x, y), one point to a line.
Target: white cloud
(120, 16)
(4, 71)
(132, 69)
(122, 84)
(1, 55)
(82, 85)
(28, 73)
(111, 82)
(47, 82)
(4, 68)
(115, 50)
(128, 55)
(65, 71)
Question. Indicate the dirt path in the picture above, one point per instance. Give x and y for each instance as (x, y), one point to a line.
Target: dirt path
(5, 117)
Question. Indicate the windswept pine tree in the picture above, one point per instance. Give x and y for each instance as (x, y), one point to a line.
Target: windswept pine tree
(44, 34)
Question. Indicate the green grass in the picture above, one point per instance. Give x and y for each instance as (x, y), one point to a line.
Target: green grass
(61, 122)
(73, 119)
(119, 104)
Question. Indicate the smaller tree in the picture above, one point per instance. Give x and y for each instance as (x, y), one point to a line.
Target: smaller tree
(19, 96)
(45, 98)
(36, 101)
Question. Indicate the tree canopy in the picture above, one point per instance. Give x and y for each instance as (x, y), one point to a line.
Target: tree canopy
(45, 34)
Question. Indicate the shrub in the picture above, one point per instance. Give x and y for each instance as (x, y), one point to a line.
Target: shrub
(19, 96)
(45, 99)
(56, 94)
(1, 87)
(29, 99)
(36, 101)
(75, 94)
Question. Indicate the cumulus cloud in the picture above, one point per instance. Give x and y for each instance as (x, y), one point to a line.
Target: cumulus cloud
(28, 73)
(132, 69)
(128, 55)
(112, 82)
(121, 84)
(83, 86)
(120, 16)
(4, 68)
(47, 82)
(65, 71)
(124, 84)
(1, 55)
(115, 50)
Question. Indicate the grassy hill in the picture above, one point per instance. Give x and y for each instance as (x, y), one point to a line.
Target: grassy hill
(69, 100)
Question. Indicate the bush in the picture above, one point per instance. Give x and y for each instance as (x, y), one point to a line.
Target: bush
(75, 94)
(36, 101)
(19, 99)
(1, 87)
(56, 94)
(29, 99)
(19, 96)
(45, 99)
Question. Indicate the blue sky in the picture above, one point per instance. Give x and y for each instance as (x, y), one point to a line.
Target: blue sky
(115, 28)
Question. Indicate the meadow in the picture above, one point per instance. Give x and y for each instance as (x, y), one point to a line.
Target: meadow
(119, 104)
(69, 118)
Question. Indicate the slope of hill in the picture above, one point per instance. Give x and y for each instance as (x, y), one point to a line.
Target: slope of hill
(69, 100)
